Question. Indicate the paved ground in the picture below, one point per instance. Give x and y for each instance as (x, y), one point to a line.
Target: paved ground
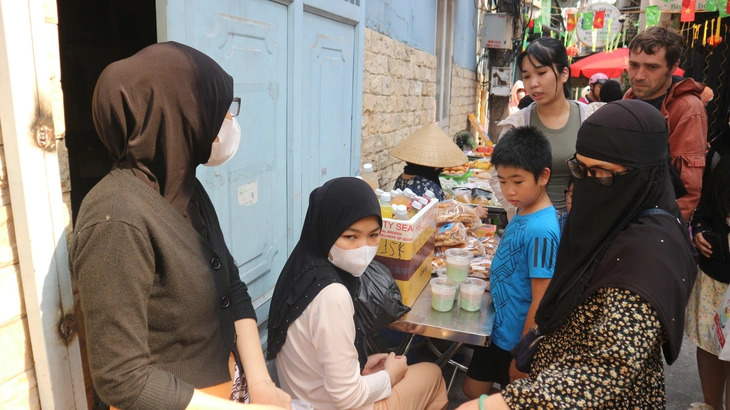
(682, 381)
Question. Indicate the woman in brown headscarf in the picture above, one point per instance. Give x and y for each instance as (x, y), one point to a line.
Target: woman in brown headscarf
(163, 303)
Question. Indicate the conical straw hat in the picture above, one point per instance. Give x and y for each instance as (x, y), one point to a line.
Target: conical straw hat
(430, 147)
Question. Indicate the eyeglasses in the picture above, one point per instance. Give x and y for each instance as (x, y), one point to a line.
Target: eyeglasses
(601, 176)
(568, 196)
(235, 108)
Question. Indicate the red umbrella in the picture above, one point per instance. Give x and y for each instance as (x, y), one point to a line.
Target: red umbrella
(611, 63)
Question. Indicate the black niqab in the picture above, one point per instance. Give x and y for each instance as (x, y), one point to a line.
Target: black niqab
(605, 244)
(158, 113)
(333, 207)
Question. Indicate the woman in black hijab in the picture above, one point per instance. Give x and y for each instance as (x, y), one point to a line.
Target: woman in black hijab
(319, 348)
(623, 275)
(163, 304)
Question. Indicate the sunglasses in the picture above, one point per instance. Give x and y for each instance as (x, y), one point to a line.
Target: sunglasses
(601, 176)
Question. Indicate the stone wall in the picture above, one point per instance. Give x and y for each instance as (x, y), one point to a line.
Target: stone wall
(399, 97)
(464, 88)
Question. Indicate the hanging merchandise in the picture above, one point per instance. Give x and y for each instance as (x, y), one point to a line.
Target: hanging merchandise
(652, 16)
(688, 10)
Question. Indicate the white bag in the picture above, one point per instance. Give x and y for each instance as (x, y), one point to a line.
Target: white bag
(720, 327)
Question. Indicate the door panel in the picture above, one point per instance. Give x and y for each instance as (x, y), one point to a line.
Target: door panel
(249, 40)
(327, 100)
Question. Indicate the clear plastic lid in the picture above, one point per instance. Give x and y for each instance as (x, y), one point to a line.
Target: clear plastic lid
(367, 167)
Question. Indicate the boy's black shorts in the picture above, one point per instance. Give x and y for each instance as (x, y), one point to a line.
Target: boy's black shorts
(490, 364)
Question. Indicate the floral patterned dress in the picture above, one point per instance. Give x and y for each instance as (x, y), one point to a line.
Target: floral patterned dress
(419, 185)
(606, 356)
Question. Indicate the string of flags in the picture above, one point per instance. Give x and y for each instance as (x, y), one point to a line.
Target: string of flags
(709, 33)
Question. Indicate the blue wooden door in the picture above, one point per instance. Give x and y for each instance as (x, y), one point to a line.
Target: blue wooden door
(298, 74)
(327, 99)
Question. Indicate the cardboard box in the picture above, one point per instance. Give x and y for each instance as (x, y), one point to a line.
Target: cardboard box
(390, 248)
(411, 288)
(410, 230)
(403, 269)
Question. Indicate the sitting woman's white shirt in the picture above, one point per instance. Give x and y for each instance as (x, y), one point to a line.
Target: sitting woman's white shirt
(318, 361)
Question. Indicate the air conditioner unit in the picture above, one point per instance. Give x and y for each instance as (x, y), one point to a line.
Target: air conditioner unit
(496, 30)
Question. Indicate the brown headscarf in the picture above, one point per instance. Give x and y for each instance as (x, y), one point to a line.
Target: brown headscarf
(158, 113)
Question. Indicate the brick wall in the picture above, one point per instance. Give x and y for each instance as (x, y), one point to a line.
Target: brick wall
(399, 97)
(464, 88)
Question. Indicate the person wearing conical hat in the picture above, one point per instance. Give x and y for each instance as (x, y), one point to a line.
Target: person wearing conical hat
(428, 151)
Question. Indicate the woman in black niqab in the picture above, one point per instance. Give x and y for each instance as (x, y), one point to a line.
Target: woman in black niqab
(622, 279)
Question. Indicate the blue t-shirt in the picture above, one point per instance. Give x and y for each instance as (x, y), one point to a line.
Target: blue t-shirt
(527, 250)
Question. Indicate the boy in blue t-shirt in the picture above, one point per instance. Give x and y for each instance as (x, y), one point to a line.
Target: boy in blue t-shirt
(525, 258)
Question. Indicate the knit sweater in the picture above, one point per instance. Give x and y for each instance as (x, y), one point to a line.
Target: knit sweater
(159, 300)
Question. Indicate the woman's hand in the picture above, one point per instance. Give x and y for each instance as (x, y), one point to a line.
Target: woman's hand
(702, 245)
(268, 393)
(481, 212)
(396, 366)
(375, 363)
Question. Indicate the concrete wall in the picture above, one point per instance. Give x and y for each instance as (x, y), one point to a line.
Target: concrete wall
(412, 22)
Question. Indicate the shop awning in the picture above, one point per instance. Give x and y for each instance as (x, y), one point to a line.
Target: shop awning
(610, 63)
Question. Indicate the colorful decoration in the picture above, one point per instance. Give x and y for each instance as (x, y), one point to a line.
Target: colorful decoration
(598, 19)
(545, 10)
(572, 20)
(588, 20)
(715, 38)
(652, 16)
(710, 5)
(688, 10)
(572, 50)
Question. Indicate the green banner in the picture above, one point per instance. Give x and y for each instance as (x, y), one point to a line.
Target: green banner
(652, 16)
(588, 20)
(545, 12)
(710, 5)
(722, 8)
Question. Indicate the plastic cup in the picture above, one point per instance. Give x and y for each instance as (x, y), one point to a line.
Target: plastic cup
(457, 264)
(297, 404)
(470, 293)
(443, 293)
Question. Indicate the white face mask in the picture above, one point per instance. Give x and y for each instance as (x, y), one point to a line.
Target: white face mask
(353, 261)
(225, 147)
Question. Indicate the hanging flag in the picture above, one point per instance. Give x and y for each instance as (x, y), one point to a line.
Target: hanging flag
(598, 18)
(688, 10)
(572, 19)
(652, 16)
(538, 27)
(723, 8)
(545, 11)
(587, 20)
(531, 24)
(710, 5)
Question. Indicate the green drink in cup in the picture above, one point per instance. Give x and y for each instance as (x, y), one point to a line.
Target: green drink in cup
(457, 264)
(443, 293)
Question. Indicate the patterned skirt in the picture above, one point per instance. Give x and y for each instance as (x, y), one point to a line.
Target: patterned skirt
(706, 297)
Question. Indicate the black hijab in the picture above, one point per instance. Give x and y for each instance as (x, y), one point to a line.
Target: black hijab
(605, 244)
(333, 207)
(158, 113)
(430, 173)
